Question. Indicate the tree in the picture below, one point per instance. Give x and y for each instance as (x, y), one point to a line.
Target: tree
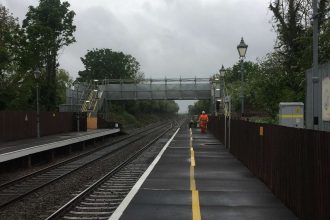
(199, 106)
(268, 86)
(107, 64)
(280, 76)
(64, 81)
(233, 84)
(166, 107)
(10, 37)
(49, 27)
(292, 22)
(10, 32)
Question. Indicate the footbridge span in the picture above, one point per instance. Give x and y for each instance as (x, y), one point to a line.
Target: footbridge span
(89, 97)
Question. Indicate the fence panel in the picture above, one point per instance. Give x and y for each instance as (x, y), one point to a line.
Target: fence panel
(17, 125)
(20, 125)
(217, 126)
(53, 123)
(293, 163)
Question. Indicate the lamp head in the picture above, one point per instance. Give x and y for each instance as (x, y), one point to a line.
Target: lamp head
(242, 48)
(222, 71)
(36, 73)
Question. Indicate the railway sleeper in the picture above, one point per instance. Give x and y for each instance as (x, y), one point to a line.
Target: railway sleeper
(105, 200)
(93, 208)
(84, 218)
(90, 213)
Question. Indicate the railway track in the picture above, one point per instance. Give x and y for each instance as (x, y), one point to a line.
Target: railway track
(102, 198)
(19, 188)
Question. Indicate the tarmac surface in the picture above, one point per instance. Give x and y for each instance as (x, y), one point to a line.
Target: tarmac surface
(199, 179)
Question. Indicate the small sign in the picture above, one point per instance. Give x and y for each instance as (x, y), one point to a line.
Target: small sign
(326, 99)
(26, 117)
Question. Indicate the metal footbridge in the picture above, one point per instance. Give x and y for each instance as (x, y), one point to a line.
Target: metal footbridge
(89, 97)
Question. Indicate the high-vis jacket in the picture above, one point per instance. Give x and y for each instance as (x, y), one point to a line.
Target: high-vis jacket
(203, 119)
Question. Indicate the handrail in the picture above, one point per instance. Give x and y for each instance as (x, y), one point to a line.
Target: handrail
(150, 80)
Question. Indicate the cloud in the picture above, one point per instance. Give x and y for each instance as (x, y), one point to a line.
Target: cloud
(168, 37)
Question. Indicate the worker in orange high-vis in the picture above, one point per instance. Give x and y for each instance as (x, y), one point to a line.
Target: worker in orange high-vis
(203, 120)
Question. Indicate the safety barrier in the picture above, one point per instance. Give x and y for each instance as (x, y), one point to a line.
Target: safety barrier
(294, 163)
(20, 125)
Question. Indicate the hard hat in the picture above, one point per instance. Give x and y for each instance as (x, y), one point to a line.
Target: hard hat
(203, 112)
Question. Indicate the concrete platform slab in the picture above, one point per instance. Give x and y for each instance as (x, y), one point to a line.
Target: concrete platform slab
(164, 197)
(159, 202)
(238, 199)
(246, 213)
(167, 184)
(239, 185)
(158, 212)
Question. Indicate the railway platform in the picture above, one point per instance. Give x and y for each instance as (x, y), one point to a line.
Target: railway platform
(23, 148)
(195, 177)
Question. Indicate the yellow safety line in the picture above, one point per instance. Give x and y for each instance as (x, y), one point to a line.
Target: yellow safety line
(192, 160)
(192, 179)
(196, 213)
(195, 205)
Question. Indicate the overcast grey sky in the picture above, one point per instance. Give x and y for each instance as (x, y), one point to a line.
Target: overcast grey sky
(169, 38)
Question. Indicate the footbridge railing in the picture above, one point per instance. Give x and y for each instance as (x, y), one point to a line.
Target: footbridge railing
(157, 89)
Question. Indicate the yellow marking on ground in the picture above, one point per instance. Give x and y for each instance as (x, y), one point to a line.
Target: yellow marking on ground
(195, 205)
(196, 213)
(192, 178)
(192, 159)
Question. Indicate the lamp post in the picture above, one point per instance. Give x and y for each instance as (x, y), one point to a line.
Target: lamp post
(215, 89)
(37, 75)
(242, 48)
(222, 72)
(316, 84)
(77, 106)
